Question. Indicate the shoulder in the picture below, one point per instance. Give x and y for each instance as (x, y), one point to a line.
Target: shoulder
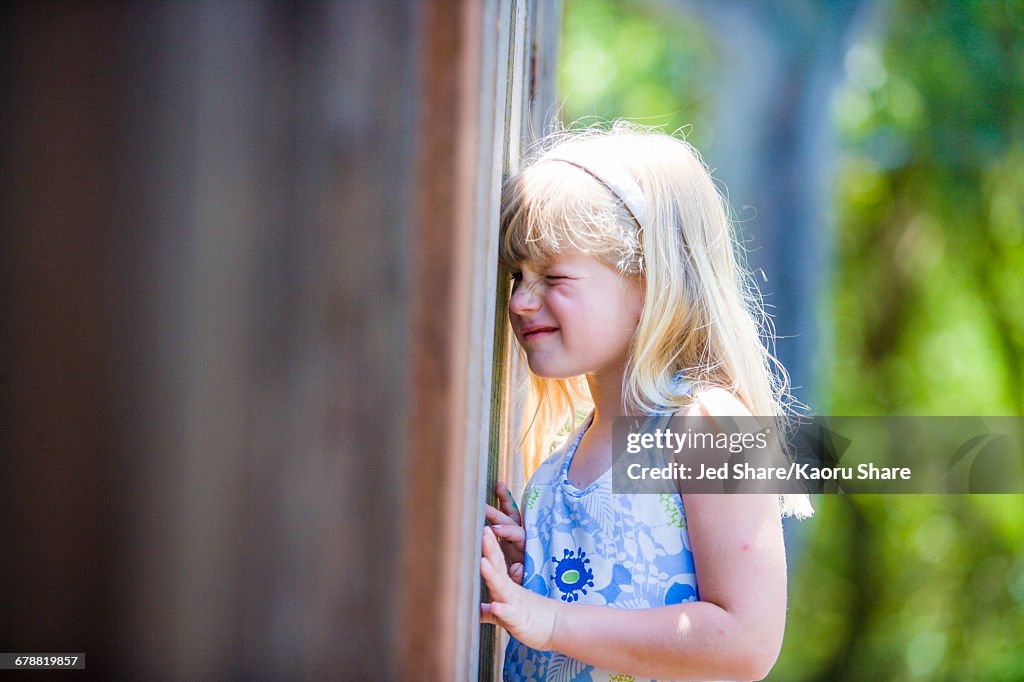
(551, 466)
(549, 469)
(714, 401)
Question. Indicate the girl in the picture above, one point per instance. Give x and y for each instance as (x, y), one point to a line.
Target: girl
(627, 299)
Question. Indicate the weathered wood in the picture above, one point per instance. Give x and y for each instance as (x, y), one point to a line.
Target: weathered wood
(528, 111)
(207, 231)
(446, 453)
(252, 331)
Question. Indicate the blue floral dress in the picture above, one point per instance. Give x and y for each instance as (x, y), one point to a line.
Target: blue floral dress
(591, 546)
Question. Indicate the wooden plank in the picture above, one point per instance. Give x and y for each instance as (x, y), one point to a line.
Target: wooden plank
(533, 28)
(451, 347)
(507, 35)
(206, 295)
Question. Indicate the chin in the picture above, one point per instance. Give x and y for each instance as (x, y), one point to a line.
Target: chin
(545, 372)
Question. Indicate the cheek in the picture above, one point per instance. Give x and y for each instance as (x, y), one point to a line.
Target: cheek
(631, 320)
(623, 319)
(559, 303)
(635, 309)
(627, 304)
(634, 299)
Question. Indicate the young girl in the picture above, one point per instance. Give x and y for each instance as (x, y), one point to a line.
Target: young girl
(627, 299)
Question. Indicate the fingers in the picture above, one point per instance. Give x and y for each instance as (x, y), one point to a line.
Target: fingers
(513, 542)
(510, 533)
(492, 554)
(495, 613)
(492, 570)
(507, 607)
(495, 516)
(503, 546)
(508, 503)
(499, 579)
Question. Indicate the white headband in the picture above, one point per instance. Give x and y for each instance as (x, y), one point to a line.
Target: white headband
(625, 188)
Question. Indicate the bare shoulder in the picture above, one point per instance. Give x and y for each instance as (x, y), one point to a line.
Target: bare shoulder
(715, 401)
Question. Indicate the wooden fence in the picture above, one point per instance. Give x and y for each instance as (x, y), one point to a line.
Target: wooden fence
(253, 342)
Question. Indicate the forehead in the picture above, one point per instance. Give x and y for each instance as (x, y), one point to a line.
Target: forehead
(528, 240)
(551, 208)
(568, 257)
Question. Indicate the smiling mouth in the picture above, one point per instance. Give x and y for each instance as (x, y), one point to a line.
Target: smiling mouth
(537, 333)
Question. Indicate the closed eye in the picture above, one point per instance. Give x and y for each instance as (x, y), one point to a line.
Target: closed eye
(552, 278)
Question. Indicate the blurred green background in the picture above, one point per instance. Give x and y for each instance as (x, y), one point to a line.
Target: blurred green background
(914, 301)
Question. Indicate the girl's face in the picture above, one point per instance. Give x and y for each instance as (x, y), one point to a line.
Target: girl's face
(575, 316)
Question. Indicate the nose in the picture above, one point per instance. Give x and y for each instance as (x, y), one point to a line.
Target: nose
(524, 298)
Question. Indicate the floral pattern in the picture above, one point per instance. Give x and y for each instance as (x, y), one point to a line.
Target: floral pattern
(591, 546)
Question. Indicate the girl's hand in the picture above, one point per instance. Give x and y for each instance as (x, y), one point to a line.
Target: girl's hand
(527, 616)
(507, 524)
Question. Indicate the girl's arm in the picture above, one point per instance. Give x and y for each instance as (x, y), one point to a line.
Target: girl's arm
(734, 632)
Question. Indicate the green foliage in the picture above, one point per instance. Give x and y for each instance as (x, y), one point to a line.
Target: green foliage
(928, 293)
(620, 60)
(927, 305)
(926, 311)
(920, 587)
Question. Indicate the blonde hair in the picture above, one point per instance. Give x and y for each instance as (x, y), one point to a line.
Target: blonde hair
(702, 314)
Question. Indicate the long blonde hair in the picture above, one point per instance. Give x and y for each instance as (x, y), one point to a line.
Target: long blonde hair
(702, 314)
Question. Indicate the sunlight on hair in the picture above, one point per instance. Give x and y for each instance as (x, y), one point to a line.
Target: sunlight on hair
(703, 317)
